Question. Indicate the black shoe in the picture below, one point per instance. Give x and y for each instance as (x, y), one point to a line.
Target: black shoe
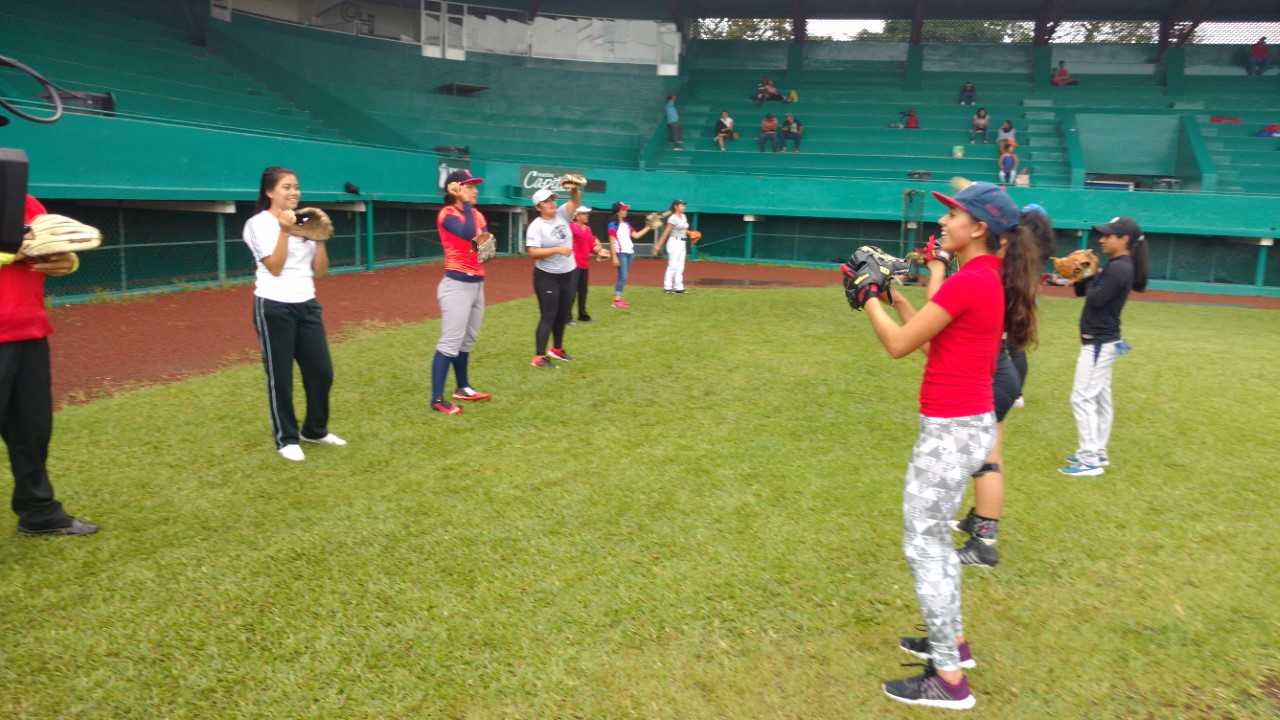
(966, 525)
(679, 292)
(77, 527)
(930, 690)
(976, 552)
(584, 318)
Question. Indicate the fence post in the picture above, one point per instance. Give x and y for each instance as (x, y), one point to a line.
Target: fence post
(222, 248)
(355, 237)
(750, 221)
(124, 273)
(368, 235)
(1260, 272)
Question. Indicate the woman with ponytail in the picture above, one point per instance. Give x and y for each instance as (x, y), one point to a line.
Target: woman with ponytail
(1101, 343)
(959, 328)
(287, 316)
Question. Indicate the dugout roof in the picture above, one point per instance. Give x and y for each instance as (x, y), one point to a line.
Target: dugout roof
(1067, 10)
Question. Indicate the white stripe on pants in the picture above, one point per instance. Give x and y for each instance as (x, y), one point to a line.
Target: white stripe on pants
(1091, 400)
(674, 279)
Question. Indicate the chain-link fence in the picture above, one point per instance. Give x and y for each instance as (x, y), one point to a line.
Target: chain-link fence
(154, 247)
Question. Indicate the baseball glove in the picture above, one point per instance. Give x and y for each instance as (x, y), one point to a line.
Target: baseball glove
(55, 234)
(654, 220)
(1077, 266)
(486, 246)
(312, 224)
(569, 181)
(693, 235)
(866, 275)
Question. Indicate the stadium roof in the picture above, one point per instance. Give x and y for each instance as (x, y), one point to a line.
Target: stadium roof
(1069, 10)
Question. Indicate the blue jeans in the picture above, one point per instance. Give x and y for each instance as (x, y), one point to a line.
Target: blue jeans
(624, 269)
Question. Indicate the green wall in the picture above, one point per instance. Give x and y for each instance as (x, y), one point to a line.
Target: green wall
(1129, 144)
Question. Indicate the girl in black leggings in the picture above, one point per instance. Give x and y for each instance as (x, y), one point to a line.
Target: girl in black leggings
(550, 243)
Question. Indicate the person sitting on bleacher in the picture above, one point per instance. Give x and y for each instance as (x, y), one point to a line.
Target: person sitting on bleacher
(968, 93)
(1006, 134)
(1007, 164)
(724, 129)
(981, 123)
(792, 129)
(1258, 55)
(766, 91)
(1062, 77)
(768, 133)
(911, 121)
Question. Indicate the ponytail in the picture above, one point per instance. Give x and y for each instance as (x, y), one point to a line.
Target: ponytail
(270, 178)
(1138, 251)
(1024, 255)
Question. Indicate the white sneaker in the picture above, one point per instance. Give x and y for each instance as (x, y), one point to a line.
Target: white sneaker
(1019, 403)
(292, 452)
(329, 439)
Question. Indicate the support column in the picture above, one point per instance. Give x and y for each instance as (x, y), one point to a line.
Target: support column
(221, 237)
(1041, 66)
(914, 78)
(1175, 71)
(1260, 272)
(749, 221)
(369, 263)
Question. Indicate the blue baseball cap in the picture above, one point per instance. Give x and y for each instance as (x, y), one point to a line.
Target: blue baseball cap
(986, 202)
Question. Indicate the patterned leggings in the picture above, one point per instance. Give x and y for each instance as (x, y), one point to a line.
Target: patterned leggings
(947, 453)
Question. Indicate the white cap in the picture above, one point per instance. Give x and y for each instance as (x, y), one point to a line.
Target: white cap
(582, 209)
(543, 194)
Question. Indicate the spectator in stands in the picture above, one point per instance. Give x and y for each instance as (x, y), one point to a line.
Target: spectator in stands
(1006, 134)
(981, 123)
(724, 129)
(968, 93)
(1062, 77)
(766, 91)
(1007, 164)
(911, 120)
(1272, 130)
(769, 133)
(792, 129)
(674, 131)
(1258, 58)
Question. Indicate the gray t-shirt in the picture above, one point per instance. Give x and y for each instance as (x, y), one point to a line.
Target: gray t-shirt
(551, 234)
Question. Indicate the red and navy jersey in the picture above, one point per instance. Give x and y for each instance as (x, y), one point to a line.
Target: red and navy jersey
(459, 252)
(22, 314)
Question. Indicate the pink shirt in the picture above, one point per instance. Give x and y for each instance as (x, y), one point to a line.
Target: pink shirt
(583, 244)
(962, 358)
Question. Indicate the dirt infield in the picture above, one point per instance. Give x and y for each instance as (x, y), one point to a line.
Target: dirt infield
(103, 347)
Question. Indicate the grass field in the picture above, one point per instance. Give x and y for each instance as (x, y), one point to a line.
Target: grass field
(699, 518)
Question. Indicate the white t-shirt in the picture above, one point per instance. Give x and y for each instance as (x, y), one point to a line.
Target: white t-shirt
(551, 234)
(622, 233)
(295, 283)
(679, 227)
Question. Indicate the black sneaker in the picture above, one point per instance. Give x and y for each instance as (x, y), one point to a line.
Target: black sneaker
(77, 527)
(975, 552)
(931, 691)
(919, 647)
(966, 525)
(584, 318)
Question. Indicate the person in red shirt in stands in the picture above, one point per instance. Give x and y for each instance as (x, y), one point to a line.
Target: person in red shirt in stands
(1258, 55)
(585, 244)
(26, 394)
(1061, 76)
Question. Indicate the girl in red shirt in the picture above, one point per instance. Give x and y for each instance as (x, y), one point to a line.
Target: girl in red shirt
(962, 326)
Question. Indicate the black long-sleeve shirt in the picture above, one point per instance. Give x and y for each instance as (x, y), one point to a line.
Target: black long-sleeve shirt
(1104, 297)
